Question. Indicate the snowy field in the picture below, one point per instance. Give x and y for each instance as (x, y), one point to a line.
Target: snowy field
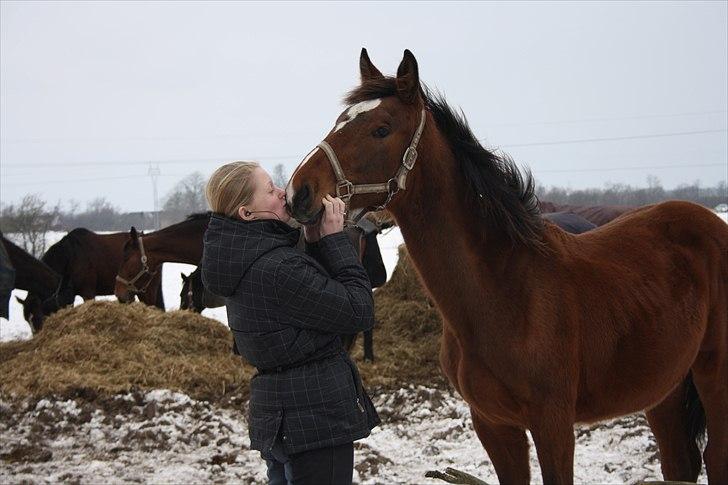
(166, 437)
(16, 328)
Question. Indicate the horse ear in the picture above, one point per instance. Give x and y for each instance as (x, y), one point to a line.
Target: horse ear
(184, 277)
(367, 69)
(20, 300)
(133, 233)
(408, 78)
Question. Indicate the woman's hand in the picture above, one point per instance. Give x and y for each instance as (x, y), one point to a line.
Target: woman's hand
(332, 220)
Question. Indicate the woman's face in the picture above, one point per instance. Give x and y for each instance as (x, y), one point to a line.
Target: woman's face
(268, 202)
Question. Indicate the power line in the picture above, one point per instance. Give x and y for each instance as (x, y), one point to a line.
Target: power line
(278, 134)
(67, 181)
(299, 156)
(644, 167)
(615, 138)
(569, 170)
(623, 118)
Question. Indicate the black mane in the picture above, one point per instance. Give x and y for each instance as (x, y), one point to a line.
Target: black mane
(199, 215)
(500, 192)
(59, 255)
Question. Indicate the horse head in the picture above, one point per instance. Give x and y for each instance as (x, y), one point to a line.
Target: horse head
(366, 157)
(36, 308)
(137, 268)
(32, 311)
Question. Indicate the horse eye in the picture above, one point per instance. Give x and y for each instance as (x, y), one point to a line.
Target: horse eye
(381, 132)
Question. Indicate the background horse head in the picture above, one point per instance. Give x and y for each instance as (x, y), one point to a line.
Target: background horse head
(194, 296)
(628, 317)
(47, 290)
(143, 254)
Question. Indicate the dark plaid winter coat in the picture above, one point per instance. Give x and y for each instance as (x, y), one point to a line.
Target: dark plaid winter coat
(286, 309)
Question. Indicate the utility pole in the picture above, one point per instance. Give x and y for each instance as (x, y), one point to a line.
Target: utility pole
(154, 172)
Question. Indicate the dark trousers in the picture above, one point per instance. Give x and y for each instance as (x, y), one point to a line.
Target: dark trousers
(323, 466)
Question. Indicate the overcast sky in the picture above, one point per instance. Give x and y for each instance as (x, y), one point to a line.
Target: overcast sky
(92, 92)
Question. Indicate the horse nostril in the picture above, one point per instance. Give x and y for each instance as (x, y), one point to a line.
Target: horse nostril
(302, 197)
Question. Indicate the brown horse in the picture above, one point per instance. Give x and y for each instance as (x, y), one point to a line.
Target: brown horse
(541, 329)
(143, 254)
(47, 291)
(89, 261)
(597, 214)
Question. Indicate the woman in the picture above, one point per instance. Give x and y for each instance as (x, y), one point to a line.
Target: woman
(286, 309)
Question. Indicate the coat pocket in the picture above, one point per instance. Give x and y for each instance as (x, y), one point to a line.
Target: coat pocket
(263, 427)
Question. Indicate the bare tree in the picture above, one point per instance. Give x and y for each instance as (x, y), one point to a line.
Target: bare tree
(280, 177)
(30, 220)
(187, 197)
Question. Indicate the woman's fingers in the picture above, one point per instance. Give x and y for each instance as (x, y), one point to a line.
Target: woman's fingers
(333, 217)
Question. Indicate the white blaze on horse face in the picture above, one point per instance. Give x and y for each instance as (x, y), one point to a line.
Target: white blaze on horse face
(289, 188)
(356, 110)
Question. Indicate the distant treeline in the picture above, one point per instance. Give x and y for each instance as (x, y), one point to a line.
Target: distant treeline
(622, 194)
(33, 217)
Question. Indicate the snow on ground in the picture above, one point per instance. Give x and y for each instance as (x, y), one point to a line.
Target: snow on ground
(166, 437)
(16, 328)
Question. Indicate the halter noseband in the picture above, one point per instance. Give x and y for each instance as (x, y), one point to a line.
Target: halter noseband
(345, 189)
(130, 284)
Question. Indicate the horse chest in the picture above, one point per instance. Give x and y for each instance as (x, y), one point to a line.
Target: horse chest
(480, 387)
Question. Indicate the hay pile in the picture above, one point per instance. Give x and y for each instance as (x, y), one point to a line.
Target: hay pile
(407, 335)
(105, 348)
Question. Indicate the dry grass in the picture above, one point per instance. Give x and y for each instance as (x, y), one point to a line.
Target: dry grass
(106, 348)
(103, 348)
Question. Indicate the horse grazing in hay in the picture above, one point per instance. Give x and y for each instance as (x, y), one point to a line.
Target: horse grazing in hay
(47, 291)
(541, 329)
(143, 254)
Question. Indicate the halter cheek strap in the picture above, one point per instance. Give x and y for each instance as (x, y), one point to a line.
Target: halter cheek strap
(345, 189)
(130, 284)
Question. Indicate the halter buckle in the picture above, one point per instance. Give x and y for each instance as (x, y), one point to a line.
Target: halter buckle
(409, 157)
(344, 184)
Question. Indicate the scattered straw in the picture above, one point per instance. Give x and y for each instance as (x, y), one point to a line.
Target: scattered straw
(105, 348)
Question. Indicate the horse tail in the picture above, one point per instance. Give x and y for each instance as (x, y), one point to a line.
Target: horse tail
(695, 411)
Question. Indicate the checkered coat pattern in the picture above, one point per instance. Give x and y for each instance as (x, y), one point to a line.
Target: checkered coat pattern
(286, 309)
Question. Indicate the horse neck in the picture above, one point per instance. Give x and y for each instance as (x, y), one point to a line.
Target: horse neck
(32, 274)
(457, 260)
(178, 243)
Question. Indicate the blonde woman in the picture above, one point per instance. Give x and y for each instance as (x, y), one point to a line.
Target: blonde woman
(286, 309)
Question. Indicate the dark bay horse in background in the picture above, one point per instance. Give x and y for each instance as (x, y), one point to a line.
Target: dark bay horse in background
(194, 296)
(570, 222)
(597, 214)
(90, 262)
(143, 254)
(541, 329)
(47, 291)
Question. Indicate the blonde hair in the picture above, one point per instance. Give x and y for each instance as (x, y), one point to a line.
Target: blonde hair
(230, 187)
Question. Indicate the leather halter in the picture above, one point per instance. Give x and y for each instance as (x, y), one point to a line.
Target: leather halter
(345, 189)
(130, 284)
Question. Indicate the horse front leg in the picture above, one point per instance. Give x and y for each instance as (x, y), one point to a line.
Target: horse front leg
(553, 436)
(369, 345)
(507, 448)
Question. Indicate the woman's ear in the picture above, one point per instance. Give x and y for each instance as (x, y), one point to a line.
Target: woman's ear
(245, 214)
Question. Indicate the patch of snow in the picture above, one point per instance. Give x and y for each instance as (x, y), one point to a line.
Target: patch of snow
(185, 440)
